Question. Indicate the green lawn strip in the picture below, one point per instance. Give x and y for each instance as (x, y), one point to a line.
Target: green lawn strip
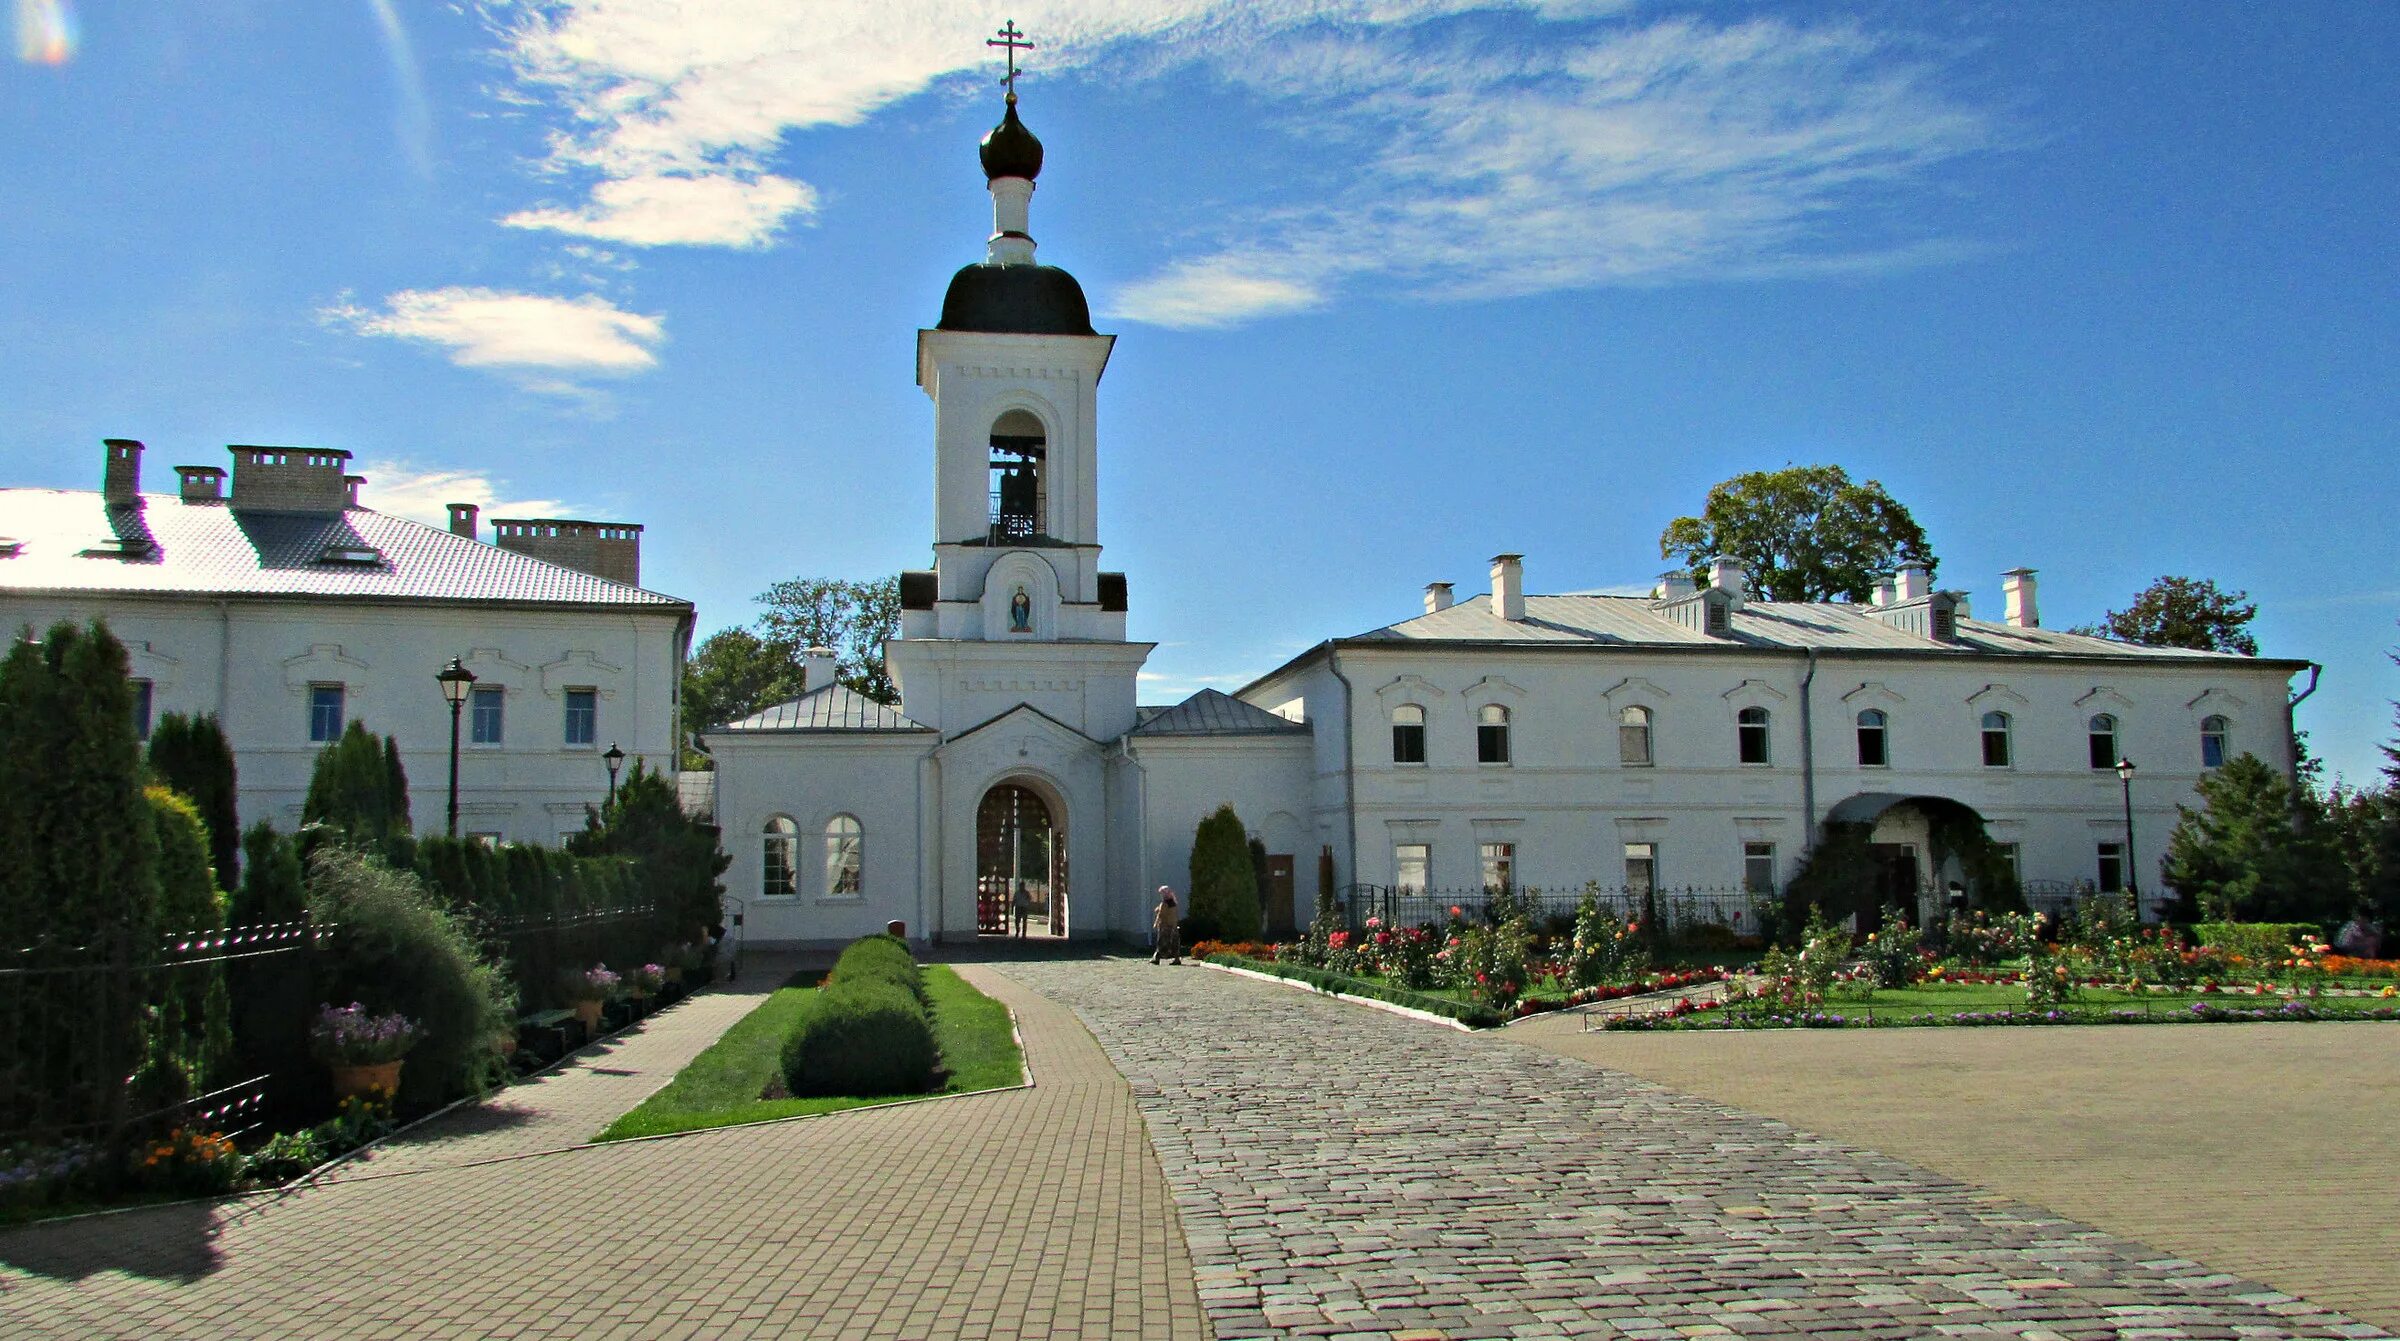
(720, 1087)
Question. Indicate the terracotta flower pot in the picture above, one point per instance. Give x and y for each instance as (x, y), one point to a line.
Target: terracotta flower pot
(589, 1013)
(352, 1081)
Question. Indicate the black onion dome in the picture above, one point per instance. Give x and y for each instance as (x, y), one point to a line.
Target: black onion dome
(1010, 150)
(1016, 300)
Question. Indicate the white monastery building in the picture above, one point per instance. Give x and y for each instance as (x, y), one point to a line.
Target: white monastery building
(1692, 738)
(289, 609)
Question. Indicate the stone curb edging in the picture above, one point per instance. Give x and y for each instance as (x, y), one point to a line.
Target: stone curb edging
(1388, 1006)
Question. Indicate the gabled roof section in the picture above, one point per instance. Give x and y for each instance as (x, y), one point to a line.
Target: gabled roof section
(1637, 622)
(836, 707)
(1022, 709)
(1212, 713)
(73, 541)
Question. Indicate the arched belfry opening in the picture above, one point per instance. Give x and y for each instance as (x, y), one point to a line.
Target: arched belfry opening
(1020, 484)
(1020, 864)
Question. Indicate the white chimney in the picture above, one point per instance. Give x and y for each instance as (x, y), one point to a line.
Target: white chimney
(1915, 581)
(1508, 586)
(1883, 591)
(1675, 586)
(817, 663)
(1726, 575)
(2016, 585)
(1437, 597)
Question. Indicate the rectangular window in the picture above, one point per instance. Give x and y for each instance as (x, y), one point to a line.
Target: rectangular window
(483, 710)
(2112, 867)
(583, 716)
(1410, 862)
(1641, 868)
(141, 709)
(324, 713)
(1408, 738)
(1758, 868)
(1499, 865)
(2009, 852)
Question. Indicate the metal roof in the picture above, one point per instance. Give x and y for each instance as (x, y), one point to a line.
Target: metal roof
(1630, 621)
(72, 540)
(1212, 713)
(836, 707)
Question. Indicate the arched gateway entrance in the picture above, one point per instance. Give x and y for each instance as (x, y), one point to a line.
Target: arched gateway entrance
(1020, 864)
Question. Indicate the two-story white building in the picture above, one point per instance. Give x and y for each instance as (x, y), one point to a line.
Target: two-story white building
(289, 609)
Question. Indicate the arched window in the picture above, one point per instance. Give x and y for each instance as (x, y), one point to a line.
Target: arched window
(779, 874)
(1750, 735)
(1633, 737)
(1491, 735)
(1408, 734)
(1996, 752)
(1020, 488)
(845, 858)
(2212, 741)
(2104, 740)
(1874, 744)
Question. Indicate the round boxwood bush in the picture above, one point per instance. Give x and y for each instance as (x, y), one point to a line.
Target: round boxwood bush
(881, 959)
(860, 1038)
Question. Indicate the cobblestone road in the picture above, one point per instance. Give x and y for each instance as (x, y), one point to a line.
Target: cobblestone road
(1344, 1172)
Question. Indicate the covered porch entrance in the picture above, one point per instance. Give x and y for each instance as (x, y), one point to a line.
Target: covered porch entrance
(1020, 864)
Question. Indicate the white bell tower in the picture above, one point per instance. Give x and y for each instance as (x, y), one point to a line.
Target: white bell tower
(1015, 609)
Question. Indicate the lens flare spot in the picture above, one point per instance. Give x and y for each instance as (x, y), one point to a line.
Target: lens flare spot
(45, 32)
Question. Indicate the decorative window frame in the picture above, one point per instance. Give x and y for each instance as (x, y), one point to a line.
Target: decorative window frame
(824, 891)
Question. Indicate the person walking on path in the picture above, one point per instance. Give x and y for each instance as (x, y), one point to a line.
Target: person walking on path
(1166, 940)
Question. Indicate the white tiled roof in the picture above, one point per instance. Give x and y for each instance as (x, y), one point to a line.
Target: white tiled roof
(212, 549)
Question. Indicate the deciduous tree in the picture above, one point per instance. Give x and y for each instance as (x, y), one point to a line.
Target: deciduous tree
(733, 673)
(2184, 612)
(1803, 533)
(852, 618)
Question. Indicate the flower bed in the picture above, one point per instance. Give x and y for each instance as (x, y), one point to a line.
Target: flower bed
(1862, 1015)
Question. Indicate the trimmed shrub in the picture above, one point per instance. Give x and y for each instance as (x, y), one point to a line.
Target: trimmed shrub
(880, 959)
(860, 1037)
(1224, 885)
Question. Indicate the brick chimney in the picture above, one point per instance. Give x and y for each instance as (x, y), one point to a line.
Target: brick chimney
(350, 484)
(611, 550)
(462, 519)
(121, 472)
(1508, 587)
(817, 663)
(2016, 586)
(1725, 574)
(1437, 597)
(290, 479)
(201, 484)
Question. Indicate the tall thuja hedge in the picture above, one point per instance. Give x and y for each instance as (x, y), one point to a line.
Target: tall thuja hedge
(191, 755)
(190, 1044)
(1224, 894)
(78, 875)
(676, 860)
(272, 998)
(359, 788)
(524, 900)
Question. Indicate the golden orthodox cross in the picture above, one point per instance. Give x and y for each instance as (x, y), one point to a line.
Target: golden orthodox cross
(1015, 42)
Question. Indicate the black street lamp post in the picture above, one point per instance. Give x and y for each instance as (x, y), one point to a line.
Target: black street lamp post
(615, 758)
(456, 680)
(2133, 888)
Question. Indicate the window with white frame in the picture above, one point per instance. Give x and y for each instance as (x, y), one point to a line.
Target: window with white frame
(2013, 854)
(1499, 865)
(845, 858)
(1998, 749)
(1410, 863)
(1874, 739)
(1491, 734)
(2112, 867)
(1408, 734)
(583, 717)
(779, 867)
(484, 703)
(1758, 868)
(141, 708)
(1633, 736)
(2103, 738)
(2213, 733)
(324, 713)
(1750, 735)
(1641, 868)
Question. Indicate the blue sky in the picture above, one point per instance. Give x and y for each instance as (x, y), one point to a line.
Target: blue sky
(2106, 290)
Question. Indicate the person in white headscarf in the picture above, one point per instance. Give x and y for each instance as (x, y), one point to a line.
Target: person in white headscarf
(1166, 940)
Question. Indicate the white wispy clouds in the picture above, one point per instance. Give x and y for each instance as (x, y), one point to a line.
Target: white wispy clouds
(404, 489)
(546, 341)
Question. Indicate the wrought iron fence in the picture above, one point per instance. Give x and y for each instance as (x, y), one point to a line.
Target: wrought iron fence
(1677, 914)
(540, 950)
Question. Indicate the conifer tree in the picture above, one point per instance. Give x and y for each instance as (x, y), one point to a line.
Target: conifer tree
(1224, 893)
(359, 788)
(2252, 852)
(272, 888)
(191, 1035)
(191, 755)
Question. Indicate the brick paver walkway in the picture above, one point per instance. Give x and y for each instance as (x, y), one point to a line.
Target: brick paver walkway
(1025, 1213)
(1343, 1171)
(2264, 1149)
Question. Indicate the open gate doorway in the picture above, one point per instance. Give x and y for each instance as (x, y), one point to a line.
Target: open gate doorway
(1020, 865)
